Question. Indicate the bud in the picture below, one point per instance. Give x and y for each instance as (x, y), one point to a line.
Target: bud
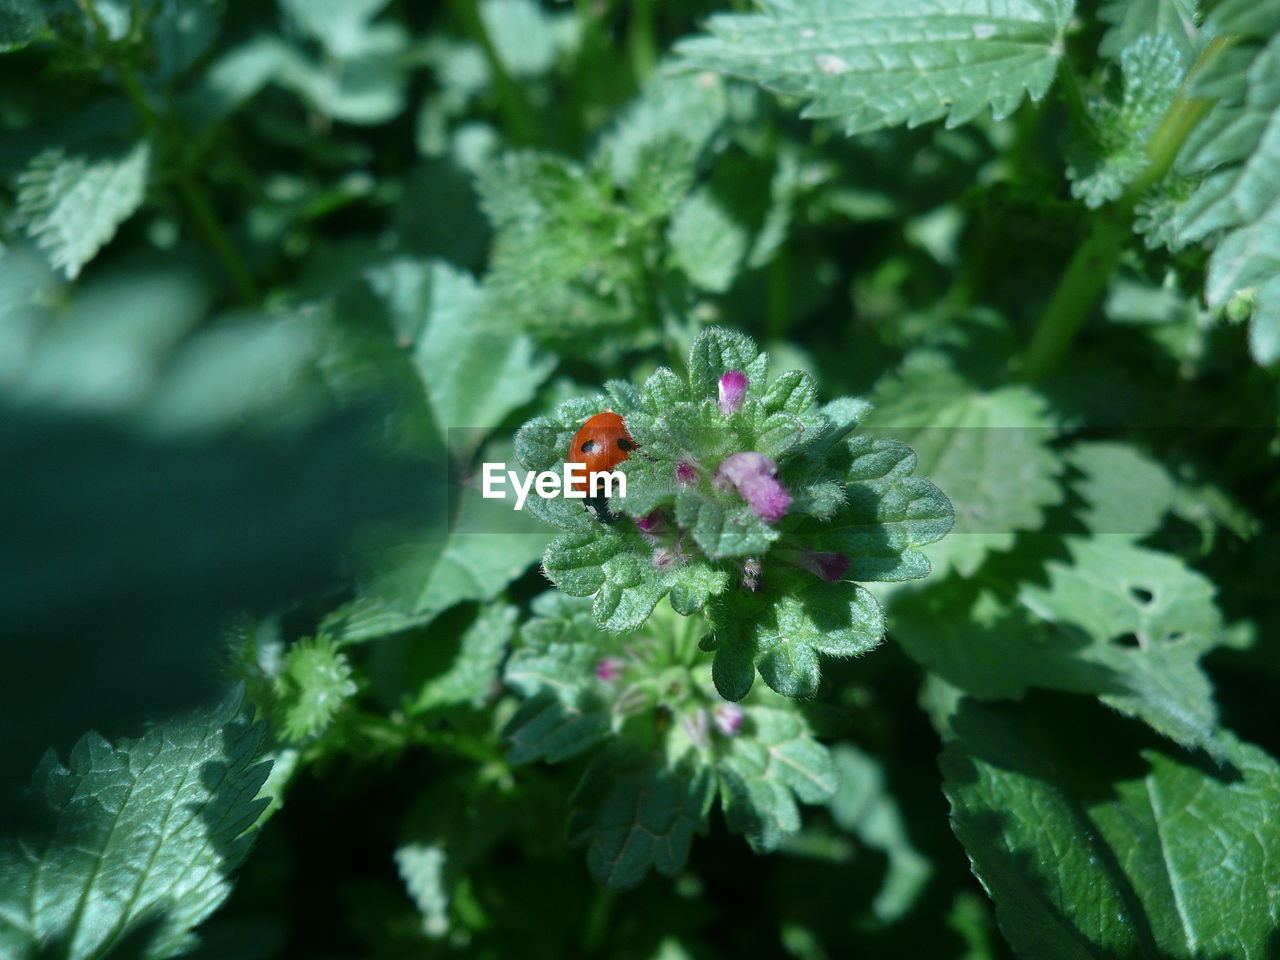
(652, 523)
(831, 567)
(728, 718)
(686, 473)
(609, 669)
(733, 391)
(754, 476)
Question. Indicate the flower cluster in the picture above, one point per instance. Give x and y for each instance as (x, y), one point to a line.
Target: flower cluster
(746, 502)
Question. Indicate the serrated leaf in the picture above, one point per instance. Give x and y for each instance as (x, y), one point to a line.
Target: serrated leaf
(988, 449)
(146, 832)
(312, 686)
(723, 529)
(770, 765)
(717, 351)
(20, 22)
(706, 241)
(1152, 69)
(1123, 623)
(636, 812)
(72, 205)
(527, 37)
(469, 679)
(1161, 856)
(1131, 19)
(1237, 206)
(1125, 491)
(868, 67)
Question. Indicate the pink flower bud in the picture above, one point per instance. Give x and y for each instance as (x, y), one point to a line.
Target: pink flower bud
(609, 669)
(728, 718)
(754, 476)
(686, 473)
(652, 523)
(831, 567)
(733, 391)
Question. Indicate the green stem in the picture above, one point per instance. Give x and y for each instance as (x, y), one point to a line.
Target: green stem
(597, 920)
(641, 42)
(196, 199)
(1073, 95)
(1090, 268)
(515, 112)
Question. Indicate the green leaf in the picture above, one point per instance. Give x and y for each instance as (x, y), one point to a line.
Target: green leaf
(1125, 491)
(717, 351)
(1152, 69)
(528, 38)
(865, 806)
(707, 242)
(312, 686)
(145, 837)
(21, 21)
(1126, 624)
(723, 528)
(1132, 19)
(1089, 856)
(72, 205)
(475, 373)
(1237, 206)
(338, 24)
(636, 811)
(987, 448)
(773, 763)
(469, 679)
(870, 67)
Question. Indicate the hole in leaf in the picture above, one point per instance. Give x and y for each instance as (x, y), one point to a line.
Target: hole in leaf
(1126, 640)
(1142, 595)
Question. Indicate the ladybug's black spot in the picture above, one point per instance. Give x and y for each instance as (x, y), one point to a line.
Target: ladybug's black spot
(589, 446)
(625, 445)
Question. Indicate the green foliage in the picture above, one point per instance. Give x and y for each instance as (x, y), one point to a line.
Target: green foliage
(278, 281)
(868, 68)
(1083, 861)
(145, 839)
(856, 507)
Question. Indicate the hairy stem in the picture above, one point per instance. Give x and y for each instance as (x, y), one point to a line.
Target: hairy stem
(1090, 268)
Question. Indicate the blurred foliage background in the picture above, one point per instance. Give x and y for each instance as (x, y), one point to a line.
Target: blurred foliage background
(274, 273)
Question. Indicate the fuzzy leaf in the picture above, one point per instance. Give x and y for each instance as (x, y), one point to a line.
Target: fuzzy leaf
(707, 242)
(989, 449)
(1132, 19)
(1158, 856)
(146, 832)
(1237, 207)
(311, 688)
(773, 763)
(72, 205)
(20, 22)
(1124, 490)
(468, 680)
(869, 66)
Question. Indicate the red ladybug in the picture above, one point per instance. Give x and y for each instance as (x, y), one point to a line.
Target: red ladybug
(600, 445)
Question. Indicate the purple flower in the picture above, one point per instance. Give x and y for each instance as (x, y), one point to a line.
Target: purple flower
(728, 718)
(609, 669)
(733, 391)
(754, 476)
(686, 473)
(652, 523)
(831, 567)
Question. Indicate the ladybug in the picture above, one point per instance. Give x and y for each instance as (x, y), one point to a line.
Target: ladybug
(600, 445)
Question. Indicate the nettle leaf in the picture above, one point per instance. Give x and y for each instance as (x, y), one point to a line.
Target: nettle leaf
(989, 449)
(636, 811)
(468, 679)
(72, 205)
(1236, 209)
(474, 372)
(21, 21)
(1162, 856)
(707, 241)
(1133, 19)
(313, 684)
(1120, 622)
(1125, 491)
(869, 67)
(145, 836)
(1152, 69)
(766, 770)
(1146, 616)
